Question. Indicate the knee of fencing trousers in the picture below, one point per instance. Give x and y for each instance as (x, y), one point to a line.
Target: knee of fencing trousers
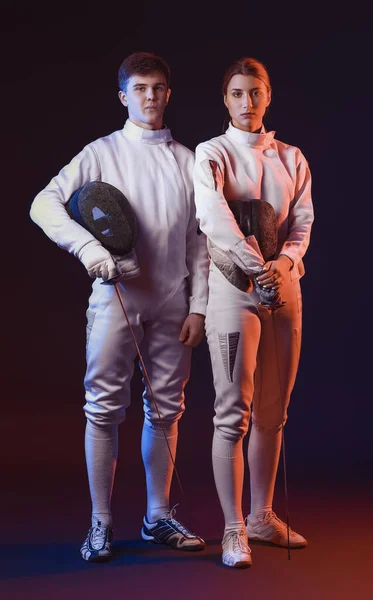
(110, 353)
(278, 359)
(233, 333)
(167, 362)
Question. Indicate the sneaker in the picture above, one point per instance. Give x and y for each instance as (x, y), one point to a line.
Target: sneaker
(236, 551)
(272, 529)
(169, 531)
(97, 545)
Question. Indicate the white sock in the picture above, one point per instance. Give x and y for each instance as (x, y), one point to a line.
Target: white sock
(101, 450)
(158, 467)
(263, 456)
(228, 466)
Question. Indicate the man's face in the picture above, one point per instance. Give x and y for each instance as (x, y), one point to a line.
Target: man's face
(146, 98)
(247, 98)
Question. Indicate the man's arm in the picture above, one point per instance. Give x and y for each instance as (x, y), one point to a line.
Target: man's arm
(49, 213)
(48, 207)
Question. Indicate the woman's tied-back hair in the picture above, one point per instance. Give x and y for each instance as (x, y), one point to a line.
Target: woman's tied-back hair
(141, 63)
(246, 66)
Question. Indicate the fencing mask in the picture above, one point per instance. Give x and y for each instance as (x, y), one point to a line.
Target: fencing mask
(254, 217)
(258, 218)
(106, 213)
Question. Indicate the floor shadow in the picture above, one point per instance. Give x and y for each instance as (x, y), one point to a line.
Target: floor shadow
(25, 560)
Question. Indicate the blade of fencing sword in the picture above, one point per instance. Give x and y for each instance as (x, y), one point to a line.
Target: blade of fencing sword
(273, 311)
(153, 398)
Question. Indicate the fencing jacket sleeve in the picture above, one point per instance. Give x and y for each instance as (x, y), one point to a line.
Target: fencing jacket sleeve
(155, 173)
(300, 213)
(48, 208)
(240, 165)
(197, 263)
(216, 218)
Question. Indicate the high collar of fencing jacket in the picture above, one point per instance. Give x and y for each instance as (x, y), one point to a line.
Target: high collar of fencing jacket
(254, 140)
(147, 136)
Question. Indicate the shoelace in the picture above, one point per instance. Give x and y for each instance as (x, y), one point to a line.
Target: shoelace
(272, 515)
(98, 535)
(179, 526)
(239, 540)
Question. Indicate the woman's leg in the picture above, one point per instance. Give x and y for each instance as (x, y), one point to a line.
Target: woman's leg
(278, 358)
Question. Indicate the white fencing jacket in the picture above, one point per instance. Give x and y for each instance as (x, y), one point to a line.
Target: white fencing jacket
(155, 173)
(243, 165)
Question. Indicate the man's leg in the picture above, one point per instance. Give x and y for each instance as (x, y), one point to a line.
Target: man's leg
(101, 451)
(167, 362)
(110, 356)
(156, 454)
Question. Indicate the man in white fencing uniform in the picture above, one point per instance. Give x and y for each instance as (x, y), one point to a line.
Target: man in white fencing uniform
(165, 302)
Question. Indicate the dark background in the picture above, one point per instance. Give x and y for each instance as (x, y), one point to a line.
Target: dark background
(59, 92)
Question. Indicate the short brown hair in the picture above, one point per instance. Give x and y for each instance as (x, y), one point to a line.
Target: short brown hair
(141, 63)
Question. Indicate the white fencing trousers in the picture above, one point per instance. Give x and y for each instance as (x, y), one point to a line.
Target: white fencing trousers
(111, 352)
(250, 350)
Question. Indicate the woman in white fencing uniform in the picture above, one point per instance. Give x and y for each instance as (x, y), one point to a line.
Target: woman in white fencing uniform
(254, 349)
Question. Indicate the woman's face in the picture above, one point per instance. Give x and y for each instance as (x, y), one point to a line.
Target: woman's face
(246, 99)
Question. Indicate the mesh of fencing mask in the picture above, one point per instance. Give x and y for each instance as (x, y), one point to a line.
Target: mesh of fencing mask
(254, 217)
(106, 213)
(258, 218)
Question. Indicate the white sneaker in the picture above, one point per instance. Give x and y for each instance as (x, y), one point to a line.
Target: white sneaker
(97, 547)
(236, 551)
(272, 529)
